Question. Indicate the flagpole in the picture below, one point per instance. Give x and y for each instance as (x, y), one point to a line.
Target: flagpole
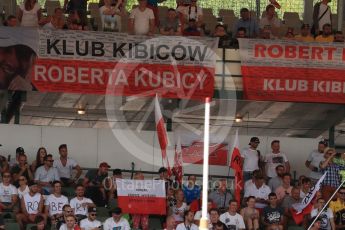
(325, 206)
(204, 220)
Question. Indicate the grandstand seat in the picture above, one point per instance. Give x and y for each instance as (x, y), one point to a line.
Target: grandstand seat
(295, 228)
(154, 223)
(334, 21)
(226, 13)
(68, 191)
(8, 215)
(113, 204)
(210, 23)
(102, 218)
(29, 226)
(292, 20)
(50, 6)
(124, 24)
(103, 212)
(163, 11)
(10, 220)
(12, 226)
(229, 22)
(207, 11)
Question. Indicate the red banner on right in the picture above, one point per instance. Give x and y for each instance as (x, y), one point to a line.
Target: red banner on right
(279, 70)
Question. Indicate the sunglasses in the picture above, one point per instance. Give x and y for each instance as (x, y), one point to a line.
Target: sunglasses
(93, 214)
(69, 211)
(342, 193)
(50, 160)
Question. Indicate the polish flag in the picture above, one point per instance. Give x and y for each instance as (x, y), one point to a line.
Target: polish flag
(162, 134)
(178, 168)
(236, 165)
(141, 196)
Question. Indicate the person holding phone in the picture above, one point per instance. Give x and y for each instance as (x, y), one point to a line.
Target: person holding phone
(21, 169)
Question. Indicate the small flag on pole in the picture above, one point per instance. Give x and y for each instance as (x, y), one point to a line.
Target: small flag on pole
(162, 134)
(236, 165)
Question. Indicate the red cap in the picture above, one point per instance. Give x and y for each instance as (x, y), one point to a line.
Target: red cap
(104, 164)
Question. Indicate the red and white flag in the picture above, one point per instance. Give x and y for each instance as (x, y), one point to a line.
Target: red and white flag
(299, 210)
(178, 168)
(236, 165)
(141, 196)
(162, 134)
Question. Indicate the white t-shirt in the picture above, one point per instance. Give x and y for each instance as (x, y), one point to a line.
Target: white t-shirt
(247, 184)
(32, 202)
(182, 226)
(315, 157)
(234, 222)
(251, 158)
(325, 217)
(272, 160)
(30, 18)
(43, 175)
(261, 193)
(141, 20)
(326, 19)
(65, 171)
(55, 204)
(87, 224)
(176, 211)
(22, 193)
(77, 205)
(6, 192)
(198, 215)
(110, 224)
(274, 22)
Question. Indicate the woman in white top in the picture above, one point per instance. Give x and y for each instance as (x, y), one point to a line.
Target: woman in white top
(29, 13)
(23, 187)
(178, 210)
(111, 15)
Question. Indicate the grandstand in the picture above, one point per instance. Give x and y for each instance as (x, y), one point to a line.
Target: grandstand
(83, 91)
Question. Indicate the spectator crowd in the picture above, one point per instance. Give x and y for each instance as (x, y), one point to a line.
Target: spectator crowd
(187, 19)
(36, 193)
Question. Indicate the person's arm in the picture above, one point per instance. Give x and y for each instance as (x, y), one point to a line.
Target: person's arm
(41, 205)
(46, 209)
(152, 27)
(332, 223)
(39, 17)
(316, 17)
(131, 25)
(19, 14)
(23, 207)
(86, 182)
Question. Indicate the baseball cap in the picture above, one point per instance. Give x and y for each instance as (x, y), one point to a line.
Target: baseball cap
(116, 211)
(104, 164)
(162, 170)
(254, 140)
(117, 172)
(323, 142)
(91, 209)
(20, 150)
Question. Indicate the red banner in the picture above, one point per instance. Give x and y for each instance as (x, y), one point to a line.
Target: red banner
(218, 154)
(108, 63)
(293, 71)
